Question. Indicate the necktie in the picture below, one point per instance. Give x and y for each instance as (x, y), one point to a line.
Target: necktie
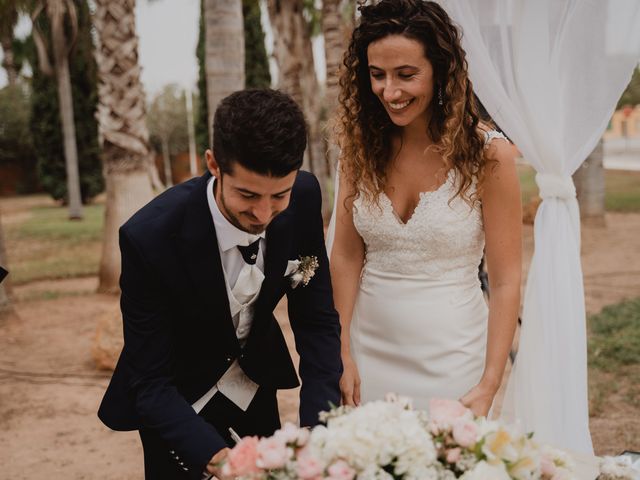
(250, 278)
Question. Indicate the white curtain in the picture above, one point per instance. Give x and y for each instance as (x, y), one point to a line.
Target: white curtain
(550, 72)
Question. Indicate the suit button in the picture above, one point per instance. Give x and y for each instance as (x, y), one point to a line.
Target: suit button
(228, 359)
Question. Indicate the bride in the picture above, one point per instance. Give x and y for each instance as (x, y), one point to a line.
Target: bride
(424, 189)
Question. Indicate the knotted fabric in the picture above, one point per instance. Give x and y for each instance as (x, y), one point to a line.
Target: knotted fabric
(555, 186)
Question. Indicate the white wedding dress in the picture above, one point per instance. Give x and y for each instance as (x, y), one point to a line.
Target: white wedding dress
(419, 325)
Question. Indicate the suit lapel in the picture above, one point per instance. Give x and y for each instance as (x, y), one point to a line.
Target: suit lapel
(198, 246)
(279, 240)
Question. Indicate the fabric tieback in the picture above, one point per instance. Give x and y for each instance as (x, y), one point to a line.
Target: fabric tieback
(555, 186)
(250, 252)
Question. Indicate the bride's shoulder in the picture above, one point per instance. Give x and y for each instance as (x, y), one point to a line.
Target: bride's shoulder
(489, 133)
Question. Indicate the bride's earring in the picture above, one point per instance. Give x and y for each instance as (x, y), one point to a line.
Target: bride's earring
(440, 96)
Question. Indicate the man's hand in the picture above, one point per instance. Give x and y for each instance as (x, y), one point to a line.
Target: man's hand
(214, 467)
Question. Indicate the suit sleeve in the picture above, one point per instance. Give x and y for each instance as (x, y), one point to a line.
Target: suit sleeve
(313, 318)
(148, 356)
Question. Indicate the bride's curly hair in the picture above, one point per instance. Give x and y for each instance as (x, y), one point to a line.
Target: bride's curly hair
(363, 127)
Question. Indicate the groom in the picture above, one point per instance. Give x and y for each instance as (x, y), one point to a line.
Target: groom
(203, 266)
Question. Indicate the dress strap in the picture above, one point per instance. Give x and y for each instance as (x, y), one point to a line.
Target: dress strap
(489, 135)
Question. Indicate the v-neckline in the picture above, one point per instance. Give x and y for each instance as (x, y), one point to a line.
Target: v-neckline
(421, 196)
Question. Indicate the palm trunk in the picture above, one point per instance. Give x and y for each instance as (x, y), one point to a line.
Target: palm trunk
(590, 188)
(337, 23)
(168, 176)
(123, 129)
(224, 52)
(68, 127)
(294, 53)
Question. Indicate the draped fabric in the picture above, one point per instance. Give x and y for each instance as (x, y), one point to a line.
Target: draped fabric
(550, 72)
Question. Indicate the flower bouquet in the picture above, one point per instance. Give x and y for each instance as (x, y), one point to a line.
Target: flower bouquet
(389, 440)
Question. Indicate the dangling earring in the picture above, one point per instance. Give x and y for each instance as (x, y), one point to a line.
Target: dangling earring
(440, 96)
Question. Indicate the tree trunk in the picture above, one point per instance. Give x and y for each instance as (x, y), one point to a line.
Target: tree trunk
(297, 77)
(67, 121)
(224, 52)
(337, 24)
(123, 129)
(590, 188)
(166, 158)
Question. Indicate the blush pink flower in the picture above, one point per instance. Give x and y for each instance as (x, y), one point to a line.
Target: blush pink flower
(272, 453)
(340, 470)
(547, 467)
(444, 412)
(308, 467)
(465, 433)
(453, 455)
(242, 458)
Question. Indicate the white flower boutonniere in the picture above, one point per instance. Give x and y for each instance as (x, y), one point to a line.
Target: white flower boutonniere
(302, 270)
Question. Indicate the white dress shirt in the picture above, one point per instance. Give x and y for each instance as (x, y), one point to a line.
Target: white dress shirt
(234, 384)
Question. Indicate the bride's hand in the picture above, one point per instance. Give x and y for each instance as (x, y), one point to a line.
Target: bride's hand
(479, 399)
(350, 382)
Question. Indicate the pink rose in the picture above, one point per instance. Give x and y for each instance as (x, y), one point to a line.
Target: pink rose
(453, 455)
(444, 412)
(242, 458)
(547, 467)
(272, 453)
(465, 433)
(341, 470)
(308, 467)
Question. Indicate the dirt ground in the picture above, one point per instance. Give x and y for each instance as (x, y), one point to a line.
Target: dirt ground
(50, 389)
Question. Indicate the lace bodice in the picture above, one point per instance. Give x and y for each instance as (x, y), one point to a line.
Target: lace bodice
(441, 239)
(444, 238)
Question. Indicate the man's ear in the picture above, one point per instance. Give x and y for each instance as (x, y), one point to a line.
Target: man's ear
(212, 165)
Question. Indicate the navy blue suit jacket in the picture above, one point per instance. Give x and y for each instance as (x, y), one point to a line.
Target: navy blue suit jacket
(179, 338)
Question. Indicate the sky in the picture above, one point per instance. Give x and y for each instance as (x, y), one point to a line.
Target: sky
(168, 35)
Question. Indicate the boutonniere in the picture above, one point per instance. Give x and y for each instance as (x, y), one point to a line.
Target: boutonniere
(302, 270)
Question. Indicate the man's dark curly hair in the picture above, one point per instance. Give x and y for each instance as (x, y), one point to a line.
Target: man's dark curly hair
(261, 129)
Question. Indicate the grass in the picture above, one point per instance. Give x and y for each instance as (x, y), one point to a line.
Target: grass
(47, 245)
(622, 188)
(614, 354)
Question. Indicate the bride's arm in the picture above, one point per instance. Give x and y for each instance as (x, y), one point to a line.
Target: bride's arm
(347, 259)
(502, 215)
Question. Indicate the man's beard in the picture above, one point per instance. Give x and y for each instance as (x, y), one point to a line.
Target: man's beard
(233, 219)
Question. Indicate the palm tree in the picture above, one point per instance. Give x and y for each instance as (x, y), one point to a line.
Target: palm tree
(123, 129)
(60, 12)
(297, 77)
(224, 51)
(590, 188)
(337, 23)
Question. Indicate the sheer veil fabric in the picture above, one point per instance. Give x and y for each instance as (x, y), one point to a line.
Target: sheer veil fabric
(550, 73)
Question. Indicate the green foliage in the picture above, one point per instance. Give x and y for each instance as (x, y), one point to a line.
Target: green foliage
(167, 120)
(45, 116)
(622, 191)
(202, 110)
(256, 63)
(622, 188)
(631, 95)
(614, 340)
(16, 144)
(46, 245)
